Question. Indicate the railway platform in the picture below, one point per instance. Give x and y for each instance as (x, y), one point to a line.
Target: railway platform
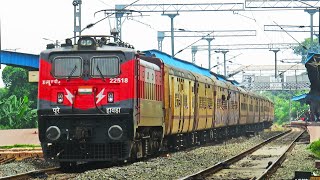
(312, 127)
(19, 136)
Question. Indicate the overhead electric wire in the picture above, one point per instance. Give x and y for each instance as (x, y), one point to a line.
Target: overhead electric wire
(193, 43)
(291, 36)
(92, 24)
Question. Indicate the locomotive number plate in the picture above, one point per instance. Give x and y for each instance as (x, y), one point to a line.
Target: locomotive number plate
(113, 110)
(118, 80)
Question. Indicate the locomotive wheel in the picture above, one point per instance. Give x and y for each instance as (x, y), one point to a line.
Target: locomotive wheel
(67, 166)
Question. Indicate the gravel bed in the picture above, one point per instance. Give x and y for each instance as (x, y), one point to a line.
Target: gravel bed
(299, 159)
(23, 166)
(173, 166)
(178, 164)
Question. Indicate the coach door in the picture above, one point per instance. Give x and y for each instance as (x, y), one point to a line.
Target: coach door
(182, 104)
(186, 108)
(209, 96)
(177, 94)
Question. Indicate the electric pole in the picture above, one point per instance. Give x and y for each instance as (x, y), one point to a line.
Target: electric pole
(77, 19)
(275, 61)
(172, 10)
(182, 33)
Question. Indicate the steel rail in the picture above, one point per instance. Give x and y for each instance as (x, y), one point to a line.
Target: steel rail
(221, 165)
(4, 160)
(280, 160)
(33, 174)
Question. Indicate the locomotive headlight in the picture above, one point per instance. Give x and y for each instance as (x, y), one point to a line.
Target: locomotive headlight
(110, 97)
(115, 132)
(53, 133)
(60, 97)
(86, 43)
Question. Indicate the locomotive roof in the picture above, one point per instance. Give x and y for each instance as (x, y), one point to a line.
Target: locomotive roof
(103, 48)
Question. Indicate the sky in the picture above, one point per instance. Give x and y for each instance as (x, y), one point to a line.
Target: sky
(24, 24)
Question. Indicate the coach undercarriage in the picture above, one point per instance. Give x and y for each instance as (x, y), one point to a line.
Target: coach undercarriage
(152, 144)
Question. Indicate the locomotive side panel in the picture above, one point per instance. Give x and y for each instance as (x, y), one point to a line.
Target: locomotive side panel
(151, 106)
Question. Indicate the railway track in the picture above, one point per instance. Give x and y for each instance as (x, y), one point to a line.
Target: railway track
(4, 160)
(43, 173)
(9, 155)
(256, 163)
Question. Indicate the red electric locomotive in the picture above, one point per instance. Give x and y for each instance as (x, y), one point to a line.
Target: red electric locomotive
(88, 100)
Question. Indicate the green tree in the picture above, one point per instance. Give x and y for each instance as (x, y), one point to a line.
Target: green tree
(282, 105)
(16, 83)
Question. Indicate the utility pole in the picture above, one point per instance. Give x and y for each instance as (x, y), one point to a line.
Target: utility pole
(224, 52)
(160, 40)
(209, 39)
(311, 12)
(119, 14)
(194, 50)
(77, 19)
(171, 16)
(275, 61)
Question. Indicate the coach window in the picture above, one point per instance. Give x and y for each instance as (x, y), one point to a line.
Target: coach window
(108, 66)
(67, 67)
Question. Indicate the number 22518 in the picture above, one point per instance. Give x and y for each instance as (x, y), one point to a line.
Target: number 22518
(118, 80)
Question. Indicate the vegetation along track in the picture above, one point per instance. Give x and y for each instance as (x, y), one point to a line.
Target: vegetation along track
(256, 163)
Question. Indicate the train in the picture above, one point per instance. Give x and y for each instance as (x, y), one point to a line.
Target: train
(100, 100)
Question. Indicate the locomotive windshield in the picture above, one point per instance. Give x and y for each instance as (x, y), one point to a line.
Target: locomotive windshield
(105, 66)
(67, 67)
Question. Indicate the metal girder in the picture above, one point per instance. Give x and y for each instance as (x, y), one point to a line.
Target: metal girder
(250, 46)
(289, 4)
(217, 33)
(166, 8)
(289, 28)
(272, 86)
(270, 67)
(17, 59)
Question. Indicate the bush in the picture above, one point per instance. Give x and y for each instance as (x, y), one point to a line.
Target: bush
(314, 147)
(16, 113)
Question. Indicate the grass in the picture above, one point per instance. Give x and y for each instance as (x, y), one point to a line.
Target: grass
(20, 146)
